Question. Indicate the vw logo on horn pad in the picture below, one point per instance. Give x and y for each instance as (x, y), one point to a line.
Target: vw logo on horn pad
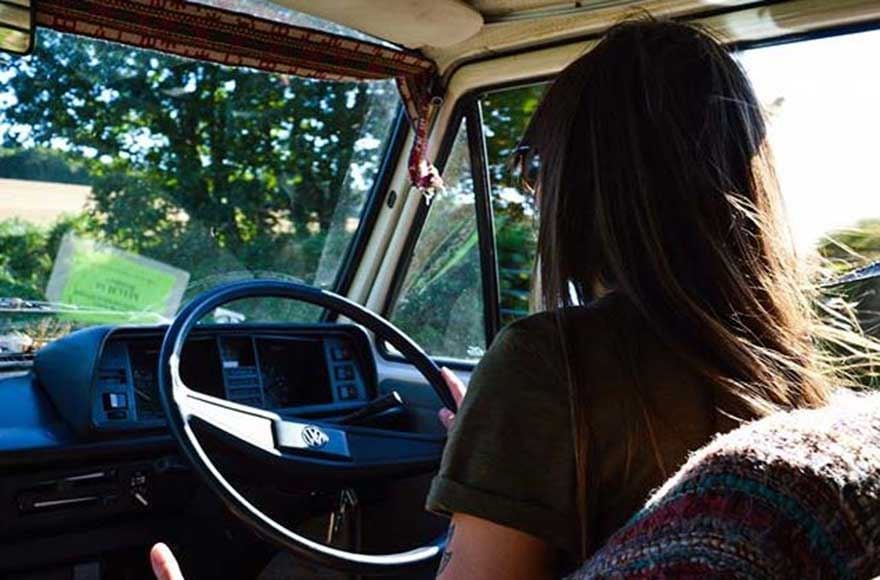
(314, 437)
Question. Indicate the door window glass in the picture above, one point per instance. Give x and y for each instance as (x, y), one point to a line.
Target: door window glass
(505, 117)
(440, 303)
(823, 124)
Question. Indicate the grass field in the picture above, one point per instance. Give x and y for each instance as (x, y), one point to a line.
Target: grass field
(40, 202)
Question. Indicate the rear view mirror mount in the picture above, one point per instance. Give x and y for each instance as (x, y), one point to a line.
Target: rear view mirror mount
(17, 26)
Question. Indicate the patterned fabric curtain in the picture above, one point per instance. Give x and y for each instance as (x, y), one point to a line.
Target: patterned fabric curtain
(213, 34)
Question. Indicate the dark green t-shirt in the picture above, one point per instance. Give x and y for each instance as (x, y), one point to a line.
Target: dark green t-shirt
(510, 455)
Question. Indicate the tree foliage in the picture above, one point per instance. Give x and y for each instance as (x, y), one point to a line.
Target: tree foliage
(852, 247)
(225, 172)
(505, 117)
(217, 170)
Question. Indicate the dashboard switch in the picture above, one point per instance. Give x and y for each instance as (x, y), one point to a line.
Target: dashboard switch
(344, 373)
(347, 392)
(113, 401)
(137, 484)
(340, 353)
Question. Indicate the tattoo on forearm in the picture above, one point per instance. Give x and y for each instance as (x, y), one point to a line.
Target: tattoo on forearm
(447, 553)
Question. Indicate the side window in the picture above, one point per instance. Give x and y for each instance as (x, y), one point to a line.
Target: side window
(823, 123)
(506, 114)
(440, 303)
(828, 182)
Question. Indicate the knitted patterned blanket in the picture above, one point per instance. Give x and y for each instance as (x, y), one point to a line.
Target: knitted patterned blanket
(794, 495)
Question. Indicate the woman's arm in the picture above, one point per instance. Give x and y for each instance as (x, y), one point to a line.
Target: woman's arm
(479, 549)
(476, 548)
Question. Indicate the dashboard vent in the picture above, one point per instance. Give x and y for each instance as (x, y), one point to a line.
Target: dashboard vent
(117, 376)
(15, 360)
(72, 491)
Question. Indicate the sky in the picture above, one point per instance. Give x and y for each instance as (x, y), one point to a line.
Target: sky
(825, 133)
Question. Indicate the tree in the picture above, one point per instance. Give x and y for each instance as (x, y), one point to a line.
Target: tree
(209, 168)
(506, 115)
(42, 164)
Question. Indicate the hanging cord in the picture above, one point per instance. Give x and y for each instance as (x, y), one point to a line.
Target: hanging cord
(422, 173)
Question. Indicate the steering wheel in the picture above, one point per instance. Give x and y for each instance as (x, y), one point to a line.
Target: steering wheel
(345, 452)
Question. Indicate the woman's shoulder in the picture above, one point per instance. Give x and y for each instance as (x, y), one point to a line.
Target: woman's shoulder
(529, 355)
(544, 330)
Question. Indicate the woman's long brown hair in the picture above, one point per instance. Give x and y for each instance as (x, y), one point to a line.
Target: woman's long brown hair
(656, 181)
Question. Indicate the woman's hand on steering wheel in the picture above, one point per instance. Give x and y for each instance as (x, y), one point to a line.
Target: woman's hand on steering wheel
(458, 389)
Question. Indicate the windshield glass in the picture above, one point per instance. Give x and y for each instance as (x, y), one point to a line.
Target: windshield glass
(131, 180)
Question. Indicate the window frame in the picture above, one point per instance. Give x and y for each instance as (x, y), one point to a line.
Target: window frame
(467, 107)
(348, 267)
(485, 220)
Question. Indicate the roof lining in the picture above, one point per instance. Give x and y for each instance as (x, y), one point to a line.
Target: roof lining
(414, 23)
(574, 8)
(507, 37)
(738, 23)
(533, 63)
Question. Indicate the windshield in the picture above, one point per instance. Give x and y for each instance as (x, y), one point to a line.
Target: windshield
(131, 180)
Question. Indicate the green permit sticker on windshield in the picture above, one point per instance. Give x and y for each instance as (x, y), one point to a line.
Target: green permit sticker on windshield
(112, 285)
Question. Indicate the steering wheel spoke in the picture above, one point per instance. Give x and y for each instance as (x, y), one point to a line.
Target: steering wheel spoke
(350, 449)
(247, 424)
(388, 452)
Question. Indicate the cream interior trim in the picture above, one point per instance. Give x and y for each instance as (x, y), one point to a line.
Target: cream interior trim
(385, 226)
(389, 244)
(791, 18)
(507, 36)
(511, 69)
(414, 23)
(746, 24)
(500, 10)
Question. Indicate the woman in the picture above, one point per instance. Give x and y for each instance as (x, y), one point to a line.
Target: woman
(675, 307)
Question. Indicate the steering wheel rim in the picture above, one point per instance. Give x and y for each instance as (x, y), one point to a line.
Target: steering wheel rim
(181, 404)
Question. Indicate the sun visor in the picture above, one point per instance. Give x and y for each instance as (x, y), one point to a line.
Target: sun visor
(415, 23)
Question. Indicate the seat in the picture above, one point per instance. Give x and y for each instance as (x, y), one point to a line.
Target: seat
(794, 495)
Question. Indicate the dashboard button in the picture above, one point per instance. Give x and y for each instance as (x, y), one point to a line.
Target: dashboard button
(114, 401)
(347, 392)
(339, 353)
(117, 415)
(344, 373)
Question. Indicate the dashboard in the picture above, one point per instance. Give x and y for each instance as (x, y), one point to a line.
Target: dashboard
(275, 367)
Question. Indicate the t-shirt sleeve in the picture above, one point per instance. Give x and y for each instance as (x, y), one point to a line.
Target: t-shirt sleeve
(509, 457)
